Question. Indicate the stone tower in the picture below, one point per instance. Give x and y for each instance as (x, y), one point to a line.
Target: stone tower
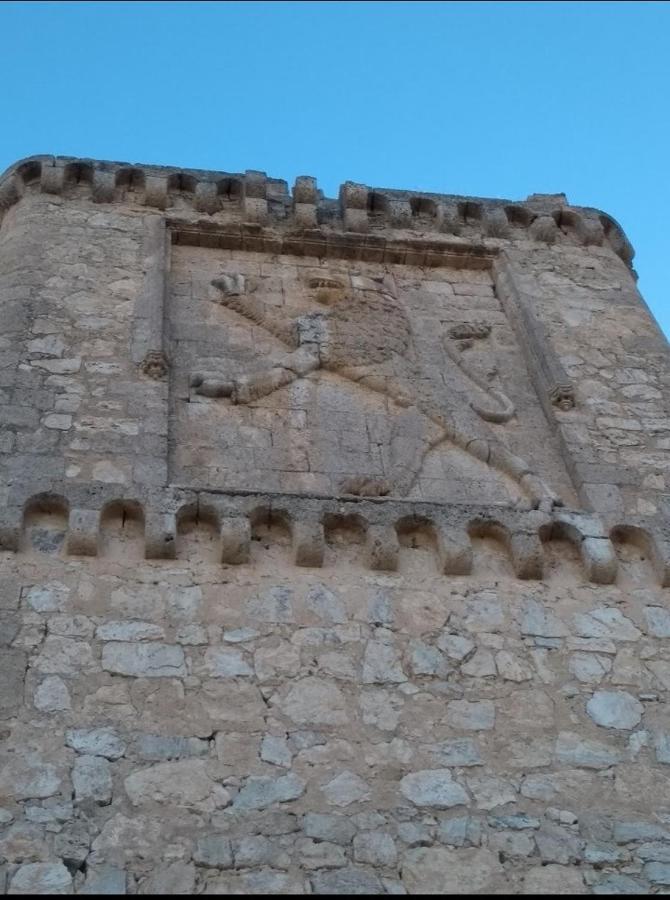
(334, 540)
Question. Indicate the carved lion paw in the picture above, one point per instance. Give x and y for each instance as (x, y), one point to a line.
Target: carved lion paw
(208, 385)
(542, 497)
(366, 486)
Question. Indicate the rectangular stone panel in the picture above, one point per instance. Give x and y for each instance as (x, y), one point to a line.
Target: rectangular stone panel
(347, 377)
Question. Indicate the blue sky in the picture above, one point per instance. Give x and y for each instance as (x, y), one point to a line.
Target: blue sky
(490, 99)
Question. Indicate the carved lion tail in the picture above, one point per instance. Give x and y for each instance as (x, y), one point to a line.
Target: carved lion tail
(504, 414)
(505, 409)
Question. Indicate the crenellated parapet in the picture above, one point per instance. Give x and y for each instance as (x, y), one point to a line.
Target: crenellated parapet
(382, 527)
(252, 198)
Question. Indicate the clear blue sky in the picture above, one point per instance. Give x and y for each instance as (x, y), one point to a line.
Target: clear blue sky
(491, 99)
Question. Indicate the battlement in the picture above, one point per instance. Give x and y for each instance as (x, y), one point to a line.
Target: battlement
(253, 197)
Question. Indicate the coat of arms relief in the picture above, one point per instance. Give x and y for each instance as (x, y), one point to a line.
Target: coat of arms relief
(354, 330)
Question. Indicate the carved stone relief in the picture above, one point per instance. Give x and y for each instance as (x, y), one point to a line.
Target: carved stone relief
(350, 327)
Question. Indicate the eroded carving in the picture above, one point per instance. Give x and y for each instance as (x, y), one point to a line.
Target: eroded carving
(461, 338)
(563, 396)
(154, 365)
(360, 330)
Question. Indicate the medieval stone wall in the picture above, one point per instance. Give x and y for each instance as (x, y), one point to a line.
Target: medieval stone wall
(334, 545)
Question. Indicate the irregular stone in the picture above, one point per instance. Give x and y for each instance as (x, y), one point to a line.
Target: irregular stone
(226, 664)
(181, 783)
(477, 715)
(129, 631)
(600, 854)
(414, 834)
(73, 845)
(104, 879)
(537, 620)
(592, 645)
(490, 791)
(554, 879)
(173, 878)
(480, 665)
(654, 851)
(626, 832)
(453, 832)
(456, 646)
(50, 597)
(314, 701)
(615, 709)
(433, 787)
(240, 635)
(512, 843)
(438, 870)
(661, 669)
(191, 635)
(24, 842)
(261, 792)
(279, 661)
(275, 750)
(325, 604)
(662, 746)
(52, 695)
(339, 665)
(157, 748)
(122, 837)
(426, 660)
(92, 780)
(71, 626)
(658, 621)
(41, 878)
(350, 880)
(6, 816)
(325, 827)
(96, 742)
(620, 884)
(183, 603)
(556, 845)
(380, 608)
(589, 668)
(64, 656)
(149, 660)
(274, 606)
(320, 854)
(511, 668)
(215, 851)
(516, 822)
(574, 750)
(381, 664)
(51, 811)
(346, 788)
(657, 873)
(376, 848)
(28, 777)
(257, 850)
(483, 612)
(605, 622)
(457, 752)
(381, 709)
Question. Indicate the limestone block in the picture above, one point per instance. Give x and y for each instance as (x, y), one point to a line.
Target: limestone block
(51, 179)
(235, 540)
(104, 184)
(383, 547)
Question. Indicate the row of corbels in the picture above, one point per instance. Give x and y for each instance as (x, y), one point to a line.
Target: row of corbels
(382, 526)
(251, 196)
